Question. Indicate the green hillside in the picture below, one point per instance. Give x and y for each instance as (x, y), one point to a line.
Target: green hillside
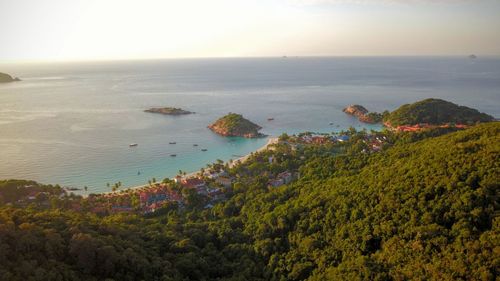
(424, 208)
(435, 112)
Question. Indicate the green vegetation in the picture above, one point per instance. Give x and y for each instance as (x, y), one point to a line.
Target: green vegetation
(12, 191)
(435, 112)
(374, 117)
(425, 207)
(168, 111)
(235, 125)
(364, 115)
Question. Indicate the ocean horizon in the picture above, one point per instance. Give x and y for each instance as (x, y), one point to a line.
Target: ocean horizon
(72, 123)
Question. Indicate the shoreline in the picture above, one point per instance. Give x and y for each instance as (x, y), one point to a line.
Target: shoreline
(270, 141)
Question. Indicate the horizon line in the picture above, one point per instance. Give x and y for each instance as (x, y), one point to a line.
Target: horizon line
(44, 61)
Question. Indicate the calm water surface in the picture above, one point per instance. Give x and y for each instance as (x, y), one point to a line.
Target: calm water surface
(71, 123)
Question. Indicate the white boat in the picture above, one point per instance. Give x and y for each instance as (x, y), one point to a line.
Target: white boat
(133, 144)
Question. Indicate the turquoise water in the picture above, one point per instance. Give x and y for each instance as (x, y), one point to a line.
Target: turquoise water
(71, 123)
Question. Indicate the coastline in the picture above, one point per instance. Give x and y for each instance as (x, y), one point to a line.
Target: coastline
(270, 141)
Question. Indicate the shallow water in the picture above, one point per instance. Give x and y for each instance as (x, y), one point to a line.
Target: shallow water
(71, 123)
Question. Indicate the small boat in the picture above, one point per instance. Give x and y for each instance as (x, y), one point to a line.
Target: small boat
(204, 149)
(133, 144)
(172, 142)
(331, 123)
(138, 172)
(173, 155)
(270, 119)
(195, 144)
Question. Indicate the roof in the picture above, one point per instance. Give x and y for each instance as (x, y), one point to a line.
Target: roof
(193, 181)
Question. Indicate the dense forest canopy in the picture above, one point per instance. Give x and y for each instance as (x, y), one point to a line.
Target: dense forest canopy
(435, 112)
(423, 208)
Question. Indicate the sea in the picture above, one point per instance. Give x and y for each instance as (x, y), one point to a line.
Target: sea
(72, 123)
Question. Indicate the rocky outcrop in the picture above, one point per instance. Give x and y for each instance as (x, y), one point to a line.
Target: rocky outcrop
(234, 125)
(168, 111)
(362, 113)
(355, 110)
(5, 78)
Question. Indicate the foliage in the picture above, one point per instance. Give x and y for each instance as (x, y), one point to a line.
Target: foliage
(11, 191)
(375, 117)
(436, 112)
(424, 208)
(234, 124)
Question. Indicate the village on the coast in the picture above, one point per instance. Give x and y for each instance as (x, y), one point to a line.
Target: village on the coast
(211, 184)
(272, 166)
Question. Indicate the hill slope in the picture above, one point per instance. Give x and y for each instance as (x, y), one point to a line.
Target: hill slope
(424, 210)
(435, 112)
(411, 212)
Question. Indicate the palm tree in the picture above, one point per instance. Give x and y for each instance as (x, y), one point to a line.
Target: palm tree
(86, 188)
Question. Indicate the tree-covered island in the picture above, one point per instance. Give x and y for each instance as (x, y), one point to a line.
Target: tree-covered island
(168, 111)
(422, 114)
(235, 125)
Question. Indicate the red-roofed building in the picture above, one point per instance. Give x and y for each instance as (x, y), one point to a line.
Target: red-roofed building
(193, 183)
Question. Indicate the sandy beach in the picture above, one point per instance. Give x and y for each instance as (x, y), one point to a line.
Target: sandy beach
(245, 158)
(270, 141)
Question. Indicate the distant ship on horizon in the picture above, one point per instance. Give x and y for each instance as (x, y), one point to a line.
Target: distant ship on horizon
(472, 56)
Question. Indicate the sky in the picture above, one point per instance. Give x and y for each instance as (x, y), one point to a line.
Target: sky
(59, 30)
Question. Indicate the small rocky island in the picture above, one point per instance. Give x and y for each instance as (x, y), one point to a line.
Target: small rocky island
(363, 114)
(5, 78)
(168, 111)
(234, 125)
(355, 110)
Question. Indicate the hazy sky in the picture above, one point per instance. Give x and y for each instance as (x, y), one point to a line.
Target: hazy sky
(133, 29)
